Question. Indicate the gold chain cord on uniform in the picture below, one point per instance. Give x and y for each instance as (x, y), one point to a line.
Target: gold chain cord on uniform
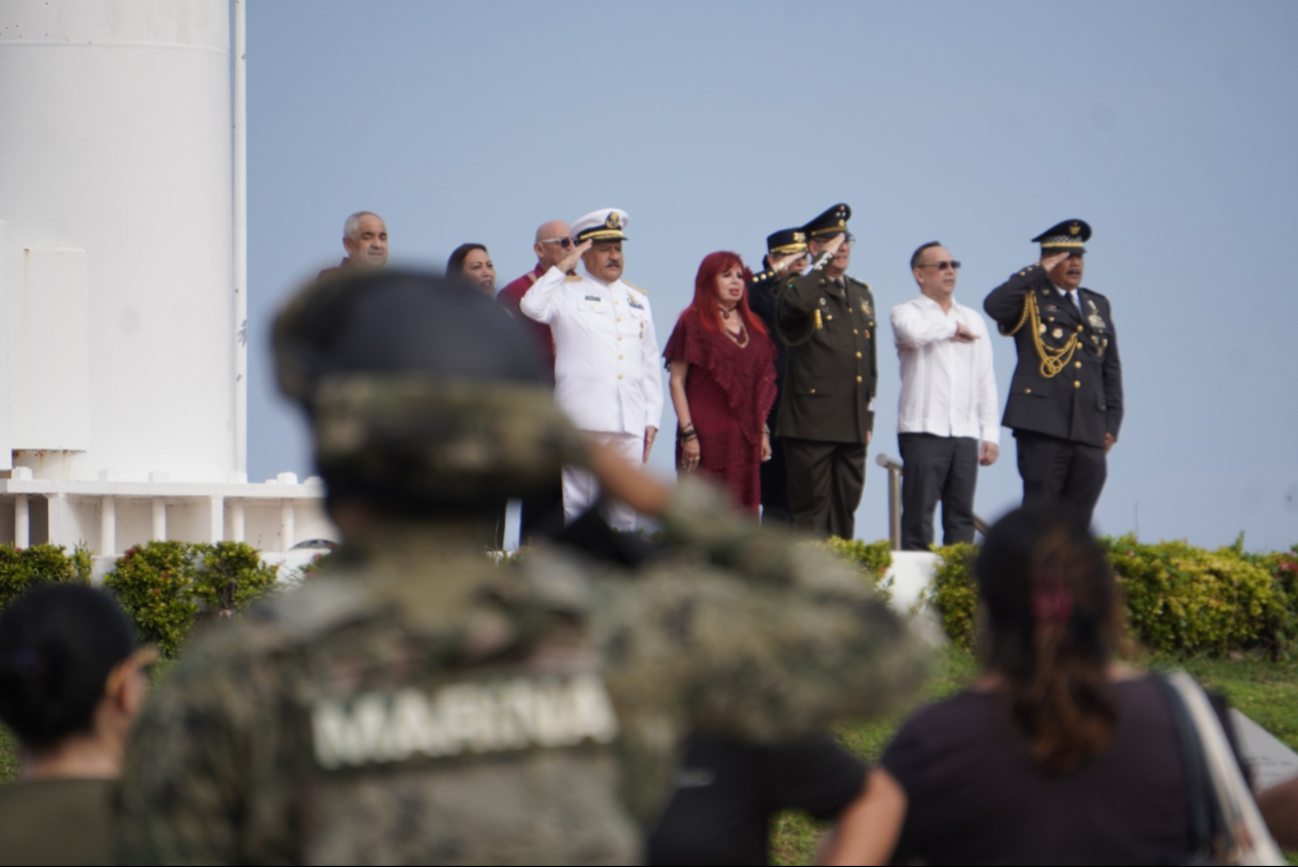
(1052, 360)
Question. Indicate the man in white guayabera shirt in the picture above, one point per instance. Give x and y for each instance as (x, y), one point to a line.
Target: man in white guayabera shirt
(607, 366)
(947, 421)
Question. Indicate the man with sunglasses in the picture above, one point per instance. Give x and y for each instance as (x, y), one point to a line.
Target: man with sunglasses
(543, 511)
(827, 401)
(552, 244)
(1065, 400)
(947, 420)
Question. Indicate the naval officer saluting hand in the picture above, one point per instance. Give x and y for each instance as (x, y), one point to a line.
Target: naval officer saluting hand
(607, 376)
(1065, 400)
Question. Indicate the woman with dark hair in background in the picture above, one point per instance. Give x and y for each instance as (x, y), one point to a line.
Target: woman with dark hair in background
(722, 367)
(472, 262)
(72, 679)
(1058, 754)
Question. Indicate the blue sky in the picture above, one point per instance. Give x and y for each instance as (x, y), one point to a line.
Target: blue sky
(1171, 127)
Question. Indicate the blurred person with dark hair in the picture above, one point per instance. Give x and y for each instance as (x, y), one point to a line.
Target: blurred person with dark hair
(472, 263)
(418, 702)
(722, 367)
(365, 238)
(542, 513)
(786, 255)
(72, 679)
(1058, 754)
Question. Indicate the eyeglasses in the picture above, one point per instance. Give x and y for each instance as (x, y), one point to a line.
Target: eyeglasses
(942, 266)
(565, 243)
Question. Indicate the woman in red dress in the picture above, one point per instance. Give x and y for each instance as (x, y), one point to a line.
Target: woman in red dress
(722, 365)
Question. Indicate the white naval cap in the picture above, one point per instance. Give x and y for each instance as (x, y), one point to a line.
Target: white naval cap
(606, 224)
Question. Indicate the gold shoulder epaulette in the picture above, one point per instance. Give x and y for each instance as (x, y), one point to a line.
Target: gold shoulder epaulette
(859, 282)
(636, 288)
(572, 278)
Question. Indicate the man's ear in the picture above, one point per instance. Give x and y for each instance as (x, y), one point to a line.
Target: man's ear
(347, 245)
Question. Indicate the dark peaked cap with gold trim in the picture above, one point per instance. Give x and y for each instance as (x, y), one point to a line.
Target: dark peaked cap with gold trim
(786, 241)
(1068, 236)
(831, 222)
(606, 224)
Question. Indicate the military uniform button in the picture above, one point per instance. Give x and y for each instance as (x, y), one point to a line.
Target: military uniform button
(1027, 391)
(1076, 384)
(1078, 364)
(1051, 319)
(854, 331)
(858, 379)
(849, 310)
(858, 355)
(813, 391)
(1079, 328)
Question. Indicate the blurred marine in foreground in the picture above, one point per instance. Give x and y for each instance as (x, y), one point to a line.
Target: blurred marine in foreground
(417, 703)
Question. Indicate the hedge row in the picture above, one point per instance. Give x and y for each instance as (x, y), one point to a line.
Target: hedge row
(165, 587)
(1179, 599)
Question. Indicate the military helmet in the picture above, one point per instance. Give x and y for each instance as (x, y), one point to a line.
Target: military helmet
(421, 392)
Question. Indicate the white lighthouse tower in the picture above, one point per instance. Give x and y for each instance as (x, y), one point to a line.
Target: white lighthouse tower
(122, 375)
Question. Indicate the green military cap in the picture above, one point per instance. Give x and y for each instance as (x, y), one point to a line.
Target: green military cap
(831, 222)
(1068, 236)
(786, 241)
(420, 392)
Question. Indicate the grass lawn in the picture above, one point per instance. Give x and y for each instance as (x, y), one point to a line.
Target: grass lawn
(1264, 690)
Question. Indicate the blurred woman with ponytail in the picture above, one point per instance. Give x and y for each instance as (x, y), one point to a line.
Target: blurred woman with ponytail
(1058, 753)
(72, 680)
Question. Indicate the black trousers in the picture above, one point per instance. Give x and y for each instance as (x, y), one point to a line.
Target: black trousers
(1059, 472)
(937, 469)
(542, 514)
(825, 484)
(775, 486)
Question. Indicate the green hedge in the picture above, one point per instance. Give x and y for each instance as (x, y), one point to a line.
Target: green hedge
(23, 568)
(871, 559)
(1179, 599)
(166, 586)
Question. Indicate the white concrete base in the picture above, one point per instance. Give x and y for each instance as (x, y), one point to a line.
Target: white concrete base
(110, 516)
(909, 578)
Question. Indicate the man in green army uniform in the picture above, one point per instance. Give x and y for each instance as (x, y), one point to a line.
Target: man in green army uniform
(417, 703)
(786, 253)
(1065, 401)
(827, 400)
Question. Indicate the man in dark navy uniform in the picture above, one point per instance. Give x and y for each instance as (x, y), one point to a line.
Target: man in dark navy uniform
(1065, 401)
(786, 254)
(827, 403)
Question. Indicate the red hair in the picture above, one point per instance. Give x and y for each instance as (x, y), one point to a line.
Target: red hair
(705, 308)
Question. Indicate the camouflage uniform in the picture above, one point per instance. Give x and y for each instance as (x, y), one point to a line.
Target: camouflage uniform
(417, 703)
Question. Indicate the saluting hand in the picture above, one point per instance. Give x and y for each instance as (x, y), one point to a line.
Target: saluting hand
(1049, 262)
(963, 335)
(832, 247)
(781, 265)
(569, 262)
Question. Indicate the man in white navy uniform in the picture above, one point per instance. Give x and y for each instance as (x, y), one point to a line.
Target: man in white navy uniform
(607, 370)
(946, 422)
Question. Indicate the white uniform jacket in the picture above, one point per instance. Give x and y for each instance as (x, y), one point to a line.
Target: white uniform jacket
(607, 367)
